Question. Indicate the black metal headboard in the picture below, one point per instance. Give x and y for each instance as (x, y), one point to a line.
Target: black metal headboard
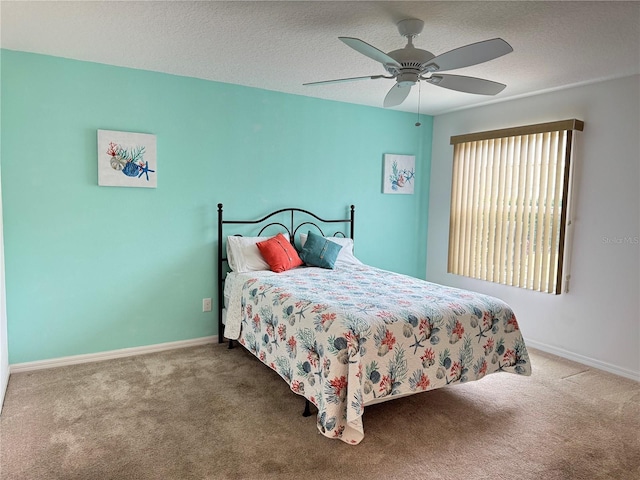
(297, 219)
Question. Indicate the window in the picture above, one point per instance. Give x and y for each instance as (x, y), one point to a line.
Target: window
(509, 200)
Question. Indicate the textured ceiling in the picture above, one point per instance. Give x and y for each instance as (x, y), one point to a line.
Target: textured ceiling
(281, 45)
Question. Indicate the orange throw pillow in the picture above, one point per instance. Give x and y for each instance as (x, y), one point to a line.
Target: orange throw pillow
(279, 253)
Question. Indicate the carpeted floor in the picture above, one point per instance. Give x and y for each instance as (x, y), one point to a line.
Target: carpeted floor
(211, 413)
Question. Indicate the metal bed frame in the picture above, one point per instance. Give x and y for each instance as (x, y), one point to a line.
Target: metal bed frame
(297, 218)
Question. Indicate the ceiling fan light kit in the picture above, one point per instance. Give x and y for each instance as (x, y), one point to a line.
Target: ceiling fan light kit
(410, 65)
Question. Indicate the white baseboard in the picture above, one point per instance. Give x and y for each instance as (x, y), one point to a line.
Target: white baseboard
(4, 382)
(590, 362)
(128, 352)
(97, 357)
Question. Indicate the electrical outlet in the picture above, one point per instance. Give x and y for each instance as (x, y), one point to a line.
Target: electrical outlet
(206, 304)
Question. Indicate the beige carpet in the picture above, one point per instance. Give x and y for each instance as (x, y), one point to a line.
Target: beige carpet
(211, 413)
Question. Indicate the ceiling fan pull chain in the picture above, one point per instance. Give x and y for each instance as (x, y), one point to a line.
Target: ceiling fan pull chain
(419, 92)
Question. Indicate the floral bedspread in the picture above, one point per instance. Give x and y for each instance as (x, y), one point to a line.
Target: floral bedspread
(358, 335)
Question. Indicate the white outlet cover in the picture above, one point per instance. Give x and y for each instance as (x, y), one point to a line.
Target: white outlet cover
(206, 304)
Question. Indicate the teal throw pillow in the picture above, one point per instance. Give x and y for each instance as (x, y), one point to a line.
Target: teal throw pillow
(319, 252)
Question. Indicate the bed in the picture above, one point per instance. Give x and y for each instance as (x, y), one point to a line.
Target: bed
(350, 335)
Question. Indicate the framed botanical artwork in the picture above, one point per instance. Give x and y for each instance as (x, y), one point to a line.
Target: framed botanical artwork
(127, 159)
(399, 173)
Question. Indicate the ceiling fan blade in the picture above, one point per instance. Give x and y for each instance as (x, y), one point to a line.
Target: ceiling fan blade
(370, 51)
(341, 80)
(396, 95)
(469, 55)
(461, 83)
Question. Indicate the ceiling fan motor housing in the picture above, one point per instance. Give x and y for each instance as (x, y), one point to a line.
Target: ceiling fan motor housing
(412, 61)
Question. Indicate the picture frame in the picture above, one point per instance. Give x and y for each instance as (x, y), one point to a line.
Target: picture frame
(398, 174)
(127, 159)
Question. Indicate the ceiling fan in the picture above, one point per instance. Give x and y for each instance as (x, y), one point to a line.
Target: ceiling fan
(409, 65)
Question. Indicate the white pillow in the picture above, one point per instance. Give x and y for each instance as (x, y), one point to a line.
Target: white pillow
(346, 252)
(243, 254)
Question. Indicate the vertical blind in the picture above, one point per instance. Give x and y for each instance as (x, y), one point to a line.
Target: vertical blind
(508, 204)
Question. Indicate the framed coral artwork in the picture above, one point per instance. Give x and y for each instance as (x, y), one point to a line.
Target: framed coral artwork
(399, 173)
(127, 159)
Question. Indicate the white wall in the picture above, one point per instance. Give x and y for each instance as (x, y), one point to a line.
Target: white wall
(4, 354)
(597, 321)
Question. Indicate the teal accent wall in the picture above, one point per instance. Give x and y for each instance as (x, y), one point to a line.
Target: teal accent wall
(91, 269)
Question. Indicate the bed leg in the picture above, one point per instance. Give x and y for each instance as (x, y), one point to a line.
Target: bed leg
(230, 344)
(307, 408)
